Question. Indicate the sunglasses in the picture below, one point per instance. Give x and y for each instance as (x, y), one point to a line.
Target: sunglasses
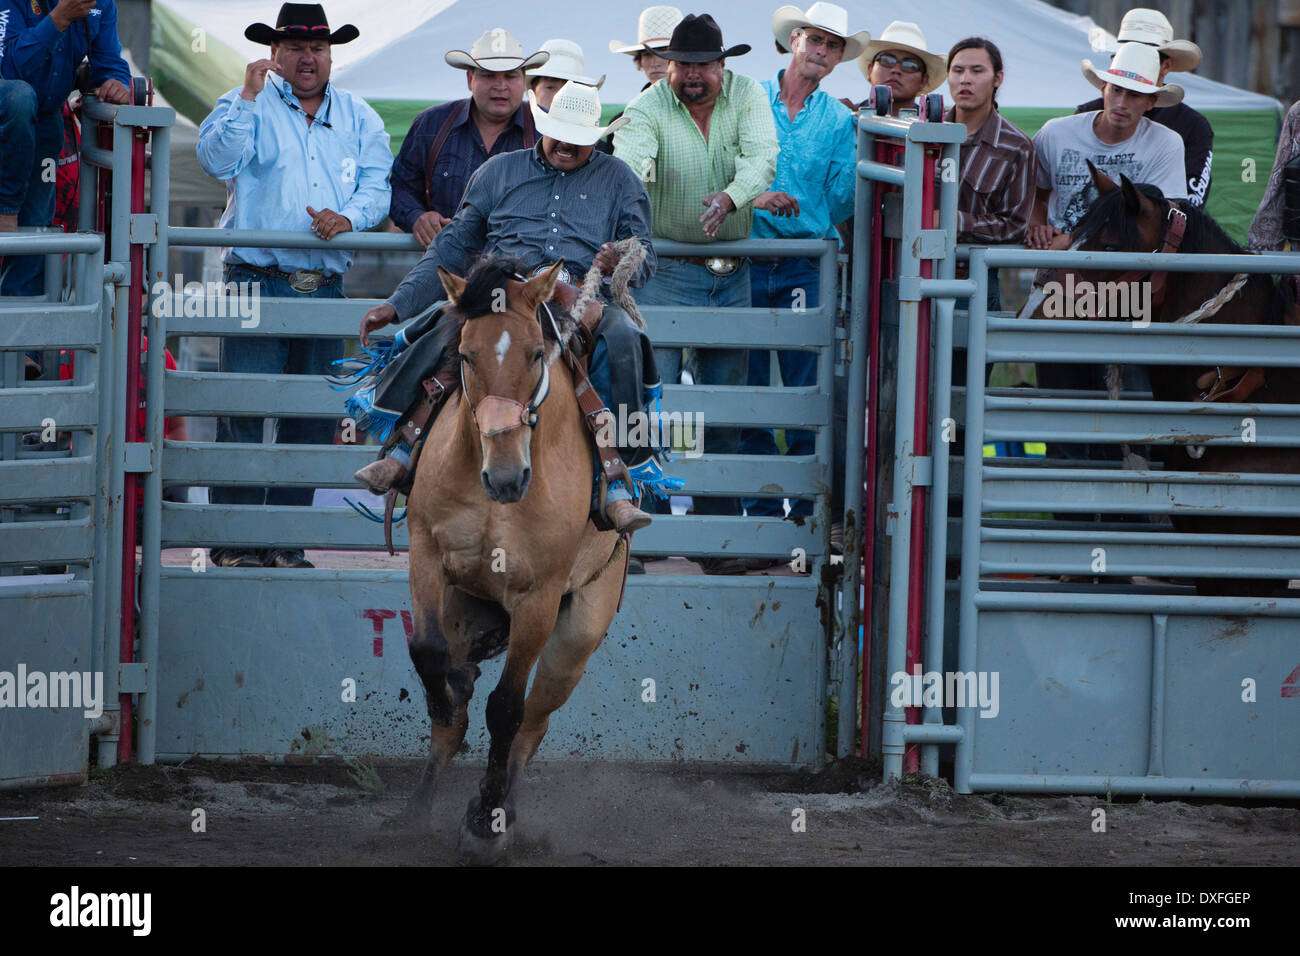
(910, 64)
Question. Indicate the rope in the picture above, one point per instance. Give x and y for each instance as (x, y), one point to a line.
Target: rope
(1211, 306)
(631, 253)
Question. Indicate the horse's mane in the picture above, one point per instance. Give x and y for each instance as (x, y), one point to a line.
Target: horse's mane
(490, 273)
(1202, 234)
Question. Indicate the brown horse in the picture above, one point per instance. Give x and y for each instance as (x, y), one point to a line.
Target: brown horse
(1137, 218)
(503, 556)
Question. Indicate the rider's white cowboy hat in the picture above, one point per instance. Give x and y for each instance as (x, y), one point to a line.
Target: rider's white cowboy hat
(901, 35)
(824, 16)
(497, 52)
(654, 28)
(574, 116)
(1135, 67)
(1142, 25)
(566, 63)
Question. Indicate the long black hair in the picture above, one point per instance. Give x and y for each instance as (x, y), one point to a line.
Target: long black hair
(980, 43)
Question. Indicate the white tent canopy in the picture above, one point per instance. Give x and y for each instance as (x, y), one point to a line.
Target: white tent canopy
(1041, 46)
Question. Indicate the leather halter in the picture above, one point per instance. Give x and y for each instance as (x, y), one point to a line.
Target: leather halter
(496, 414)
(1171, 238)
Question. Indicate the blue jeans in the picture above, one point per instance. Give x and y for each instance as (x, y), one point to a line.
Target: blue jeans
(27, 139)
(773, 286)
(275, 355)
(685, 284)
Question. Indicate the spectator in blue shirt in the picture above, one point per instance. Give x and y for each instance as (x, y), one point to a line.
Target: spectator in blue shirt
(811, 194)
(296, 153)
(447, 142)
(41, 44)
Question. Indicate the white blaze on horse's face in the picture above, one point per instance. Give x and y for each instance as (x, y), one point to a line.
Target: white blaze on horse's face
(504, 373)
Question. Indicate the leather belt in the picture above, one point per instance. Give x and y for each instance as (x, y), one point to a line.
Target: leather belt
(300, 280)
(718, 265)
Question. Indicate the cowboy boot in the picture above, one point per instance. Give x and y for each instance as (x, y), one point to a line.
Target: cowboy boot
(625, 516)
(380, 475)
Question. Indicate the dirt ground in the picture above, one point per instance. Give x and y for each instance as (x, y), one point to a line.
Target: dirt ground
(585, 814)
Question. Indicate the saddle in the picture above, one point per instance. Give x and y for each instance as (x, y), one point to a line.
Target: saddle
(413, 427)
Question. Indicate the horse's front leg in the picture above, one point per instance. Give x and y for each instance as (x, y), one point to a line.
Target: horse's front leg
(487, 830)
(439, 649)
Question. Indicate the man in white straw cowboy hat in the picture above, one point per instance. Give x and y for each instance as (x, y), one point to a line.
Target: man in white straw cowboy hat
(564, 200)
(1117, 139)
(1151, 27)
(898, 59)
(654, 28)
(446, 143)
(297, 153)
(812, 193)
(566, 63)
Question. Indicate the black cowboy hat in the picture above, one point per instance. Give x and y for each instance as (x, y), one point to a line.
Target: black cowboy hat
(301, 21)
(699, 40)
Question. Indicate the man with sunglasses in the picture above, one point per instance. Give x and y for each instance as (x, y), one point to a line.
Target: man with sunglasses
(296, 154)
(900, 61)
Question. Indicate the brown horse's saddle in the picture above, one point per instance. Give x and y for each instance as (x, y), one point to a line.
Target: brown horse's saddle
(414, 425)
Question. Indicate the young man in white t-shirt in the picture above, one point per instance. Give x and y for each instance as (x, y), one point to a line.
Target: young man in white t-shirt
(1117, 139)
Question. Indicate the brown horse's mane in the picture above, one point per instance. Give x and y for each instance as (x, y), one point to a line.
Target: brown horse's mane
(1108, 221)
(490, 273)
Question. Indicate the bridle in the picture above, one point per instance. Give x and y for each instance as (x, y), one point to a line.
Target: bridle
(1171, 238)
(496, 414)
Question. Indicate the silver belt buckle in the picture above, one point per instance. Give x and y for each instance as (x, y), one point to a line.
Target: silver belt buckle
(563, 275)
(305, 280)
(722, 265)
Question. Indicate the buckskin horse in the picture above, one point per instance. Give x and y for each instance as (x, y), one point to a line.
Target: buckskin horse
(503, 556)
(1135, 218)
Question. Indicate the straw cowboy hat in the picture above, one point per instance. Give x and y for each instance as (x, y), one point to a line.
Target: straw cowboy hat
(566, 63)
(1135, 67)
(901, 35)
(497, 52)
(574, 116)
(654, 28)
(301, 21)
(1151, 27)
(826, 17)
(699, 40)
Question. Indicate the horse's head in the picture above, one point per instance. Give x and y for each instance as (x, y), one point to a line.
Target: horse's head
(1125, 217)
(504, 358)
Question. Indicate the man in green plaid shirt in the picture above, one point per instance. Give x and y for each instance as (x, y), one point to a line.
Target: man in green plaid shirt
(704, 142)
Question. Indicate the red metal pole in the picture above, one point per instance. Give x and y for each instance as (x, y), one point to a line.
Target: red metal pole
(920, 448)
(131, 487)
(885, 153)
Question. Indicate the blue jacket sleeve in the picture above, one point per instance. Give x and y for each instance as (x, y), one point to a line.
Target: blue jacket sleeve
(106, 61)
(26, 53)
(408, 175)
(227, 137)
(368, 204)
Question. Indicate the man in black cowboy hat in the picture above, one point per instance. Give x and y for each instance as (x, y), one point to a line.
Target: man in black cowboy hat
(297, 154)
(705, 145)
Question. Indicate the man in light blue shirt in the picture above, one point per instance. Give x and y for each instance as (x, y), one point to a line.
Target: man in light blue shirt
(296, 154)
(812, 193)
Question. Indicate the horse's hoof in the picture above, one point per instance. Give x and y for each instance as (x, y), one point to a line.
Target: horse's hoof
(474, 850)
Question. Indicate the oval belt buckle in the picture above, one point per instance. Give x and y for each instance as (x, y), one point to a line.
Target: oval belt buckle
(721, 265)
(562, 276)
(304, 280)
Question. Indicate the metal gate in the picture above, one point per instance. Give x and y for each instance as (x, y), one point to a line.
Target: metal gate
(1101, 688)
(215, 661)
